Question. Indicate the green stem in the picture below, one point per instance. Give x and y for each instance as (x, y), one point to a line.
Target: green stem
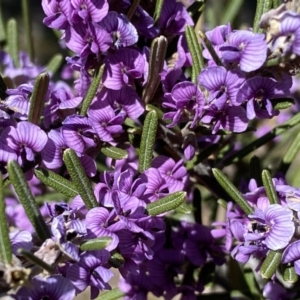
(12, 41)
(28, 28)
(262, 7)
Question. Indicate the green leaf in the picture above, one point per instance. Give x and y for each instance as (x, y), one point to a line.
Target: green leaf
(2, 27)
(290, 154)
(255, 170)
(116, 260)
(156, 63)
(114, 294)
(158, 8)
(12, 41)
(282, 103)
(231, 11)
(91, 93)
(270, 264)
(232, 191)
(166, 203)
(96, 244)
(54, 63)
(148, 140)
(5, 245)
(81, 181)
(269, 187)
(36, 261)
(210, 49)
(24, 194)
(252, 285)
(295, 120)
(195, 49)
(38, 98)
(56, 182)
(289, 274)
(28, 28)
(114, 152)
(184, 208)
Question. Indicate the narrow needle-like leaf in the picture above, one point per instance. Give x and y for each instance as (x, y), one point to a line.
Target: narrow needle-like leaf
(232, 191)
(269, 186)
(270, 264)
(38, 98)
(95, 244)
(91, 91)
(56, 182)
(12, 41)
(148, 140)
(29, 204)
(81, 181)
(5, 245)
(114, 152)
(166, 204)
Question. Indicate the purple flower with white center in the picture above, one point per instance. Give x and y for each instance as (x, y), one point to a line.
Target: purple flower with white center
(58, 13)
(122, 67)
(25, 139)
(223, 85)
(87, 39)
(246, 48)
(123, 33)
(89, 10)
(286, 32)
(258, 93)
(18, 100)
(90, 271)
(106, 123)
(231, 118)
(184, 96)
(54, 287)
(173, 173)
(156, 186)
(98, 221)
(78, 133)
(20, 239)
(275, 225)
(126, 99)
(291, 254)
(173, 18)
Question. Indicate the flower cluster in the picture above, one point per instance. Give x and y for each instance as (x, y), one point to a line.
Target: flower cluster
(130, 166)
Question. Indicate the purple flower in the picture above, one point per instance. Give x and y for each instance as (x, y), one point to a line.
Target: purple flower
(54, 287)
(258, 91)
(127, 100)
(173, 173)
(122, 67)
(90, 271)
(106, 123)
(184, 96)
(223, 85)
(18, 100)
(173, 18)
(87, 39)
(292, 254)
(123, 33)
(78, 133)
(231, 118)
(275, 225)
(58, 13)
(246, 48)
(89, 10)
(20, 239)
(25, 139)
(98, 221)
